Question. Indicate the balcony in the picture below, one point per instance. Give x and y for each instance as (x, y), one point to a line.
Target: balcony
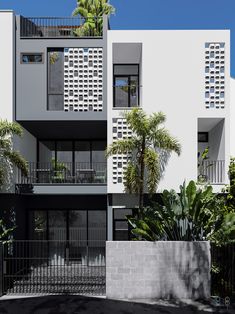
(79, 173)
(212, 172)
(60, 27)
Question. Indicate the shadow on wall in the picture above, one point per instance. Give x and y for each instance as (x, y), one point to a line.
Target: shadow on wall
(191, 270)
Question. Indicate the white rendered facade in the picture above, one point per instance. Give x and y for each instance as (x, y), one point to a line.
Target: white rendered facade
(172, 80)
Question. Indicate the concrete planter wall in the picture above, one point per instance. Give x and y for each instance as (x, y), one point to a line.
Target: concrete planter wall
(139, 269)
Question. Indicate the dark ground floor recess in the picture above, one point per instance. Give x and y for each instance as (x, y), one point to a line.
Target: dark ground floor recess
(67, 217)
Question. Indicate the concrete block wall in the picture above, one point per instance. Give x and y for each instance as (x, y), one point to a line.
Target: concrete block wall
(164, 269)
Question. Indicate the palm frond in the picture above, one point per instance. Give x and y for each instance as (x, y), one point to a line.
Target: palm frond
(10, 128)
(120, 147)
(131, 178)
(137, 121)
(163, 140)
(155, 119)
(151, 160)
(2, 176)
(5, 143)
(17, 160)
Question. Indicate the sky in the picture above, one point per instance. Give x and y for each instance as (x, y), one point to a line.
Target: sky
(146, 14)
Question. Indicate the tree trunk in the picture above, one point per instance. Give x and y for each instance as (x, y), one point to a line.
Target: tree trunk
(141, 187)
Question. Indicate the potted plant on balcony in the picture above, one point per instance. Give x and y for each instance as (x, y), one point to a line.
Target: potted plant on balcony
(202, 166)
(58, 171)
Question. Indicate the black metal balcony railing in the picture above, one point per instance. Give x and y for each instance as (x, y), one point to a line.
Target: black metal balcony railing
(212, 171)
(60, 27)
(64, 173)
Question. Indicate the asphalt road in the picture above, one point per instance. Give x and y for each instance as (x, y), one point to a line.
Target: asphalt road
(63, 304)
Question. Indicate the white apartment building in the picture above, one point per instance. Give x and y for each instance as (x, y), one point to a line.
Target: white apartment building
(68, 93)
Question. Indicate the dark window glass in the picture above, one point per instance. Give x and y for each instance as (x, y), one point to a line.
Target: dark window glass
(83, 153)
(55, 79)
(126, 86)
(202, 137)
(65, 151)
(46, 151)
(121, 92)
(38, 225)
(31, 58)
(121, 230)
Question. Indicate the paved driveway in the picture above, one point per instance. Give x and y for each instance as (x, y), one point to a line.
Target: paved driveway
(77, 304)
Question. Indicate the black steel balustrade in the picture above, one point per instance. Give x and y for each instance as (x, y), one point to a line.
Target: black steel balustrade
(212, 171)
(53, 27)
(223, 271)
(64, 173)
(54, 267)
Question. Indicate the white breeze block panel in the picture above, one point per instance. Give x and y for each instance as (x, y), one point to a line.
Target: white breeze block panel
(214, 75)
(163, 269)
(83, 79)
(119, 161)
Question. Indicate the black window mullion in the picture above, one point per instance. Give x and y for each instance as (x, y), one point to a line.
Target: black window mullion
(55, 154)
(91, 161)
(73, 159)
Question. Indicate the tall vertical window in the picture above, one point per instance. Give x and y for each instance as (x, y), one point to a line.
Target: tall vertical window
(126, 85)
(55, 79)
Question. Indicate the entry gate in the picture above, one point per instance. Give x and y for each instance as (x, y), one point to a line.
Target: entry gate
(70, 267)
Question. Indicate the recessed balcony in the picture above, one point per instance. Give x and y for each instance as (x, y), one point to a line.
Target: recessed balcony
(80, 173)
(211, 151)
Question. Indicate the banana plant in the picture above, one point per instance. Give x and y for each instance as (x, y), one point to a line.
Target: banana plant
(195, 214)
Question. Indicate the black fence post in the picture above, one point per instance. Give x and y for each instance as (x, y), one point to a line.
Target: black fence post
(1, 269)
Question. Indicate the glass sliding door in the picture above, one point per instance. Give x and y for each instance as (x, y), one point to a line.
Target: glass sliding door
(42, 172)
(76, 236)
(64, 162)
(57, 234)
(83, 164)
(38, 224)
(77, 225)
(99, 161)
(96, 236)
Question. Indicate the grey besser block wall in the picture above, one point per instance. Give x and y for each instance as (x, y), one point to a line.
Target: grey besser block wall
(147, 270)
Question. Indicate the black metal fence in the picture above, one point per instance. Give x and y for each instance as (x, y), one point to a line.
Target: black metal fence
(54, 267)
(223, 271)
(64, 173)
(54, 27)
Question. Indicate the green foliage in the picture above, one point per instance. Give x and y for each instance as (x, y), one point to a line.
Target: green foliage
(230, 189)
(5, 233)
(148, 139)
(202, 157)
(92, 11)
(7, 154)
(195, 214)
(58, 169)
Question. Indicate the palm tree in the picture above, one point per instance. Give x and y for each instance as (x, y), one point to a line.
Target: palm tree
(7, 154)
(148, 140)
(92, 12)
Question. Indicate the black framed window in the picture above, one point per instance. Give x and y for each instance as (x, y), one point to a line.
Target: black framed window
(121, 229)
(31, 58)
(203, 137)
(55, 65)
(126, 85)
